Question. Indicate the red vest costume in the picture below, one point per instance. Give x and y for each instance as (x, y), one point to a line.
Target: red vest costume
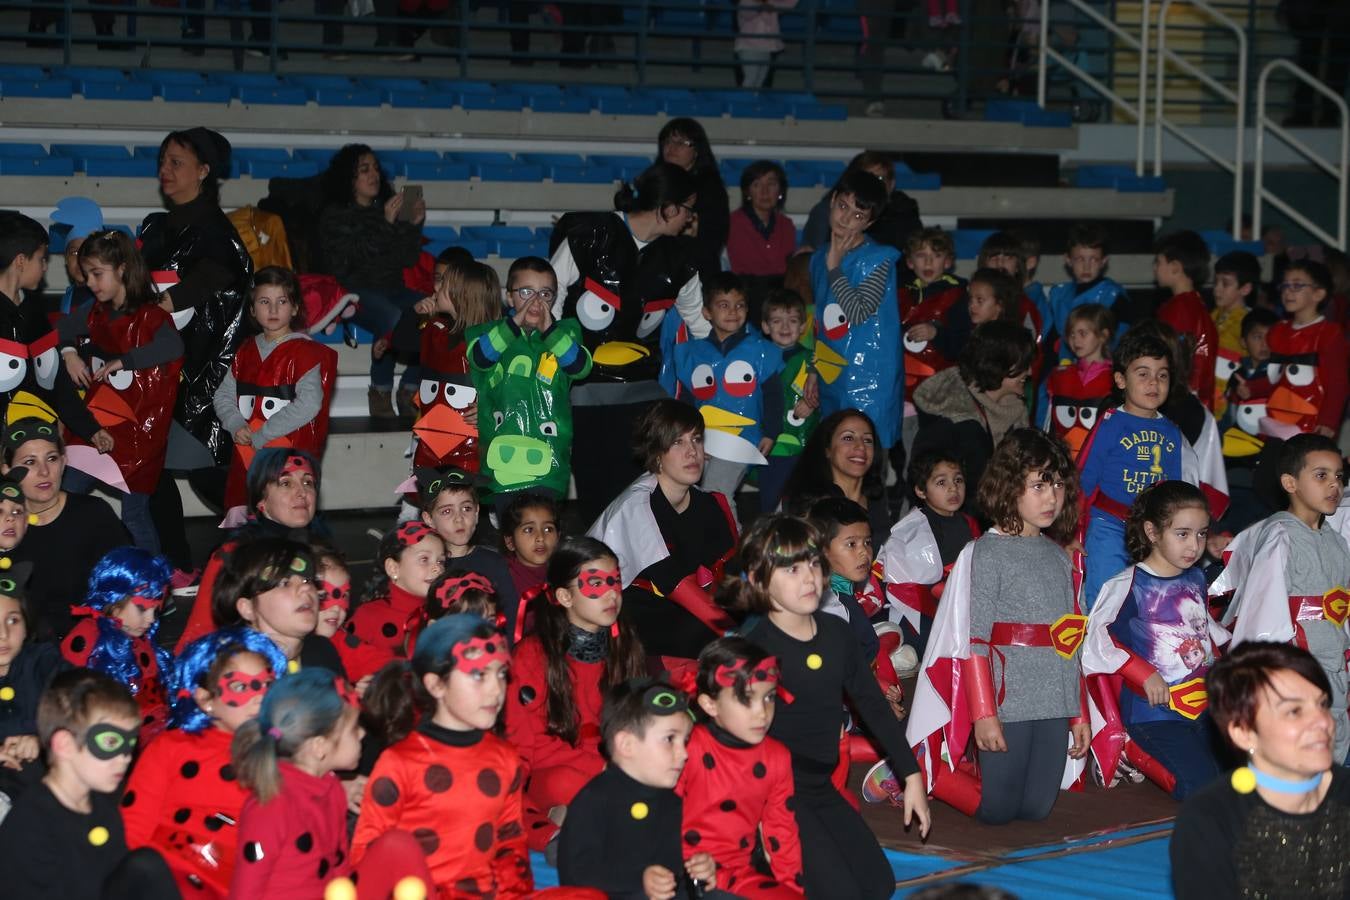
(1075, 398)
(264, 386)
(446, 391)
(1187, 314)
(929, 303)
(134, 406)
(1308, 374)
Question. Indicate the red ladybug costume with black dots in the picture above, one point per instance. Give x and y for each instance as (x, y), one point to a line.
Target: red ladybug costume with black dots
(147, 682)
(555, 768)
(294, 844)
(184, 801)
(731, 790)
(382, 623)
(460, 794)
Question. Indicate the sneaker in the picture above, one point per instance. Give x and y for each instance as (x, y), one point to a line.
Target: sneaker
(381, 403)
(875, 110)
(1125, 769)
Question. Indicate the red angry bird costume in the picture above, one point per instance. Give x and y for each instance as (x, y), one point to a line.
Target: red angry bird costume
(264, 387)
(556, 769)
(1308, 374)
(184, 801)
(1076, 393)
(735, 796)
(920, 304)
(444, 396)
(135, 406)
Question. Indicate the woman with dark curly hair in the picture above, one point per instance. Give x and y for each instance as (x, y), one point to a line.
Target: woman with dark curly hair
(672, 539)
(684, 143)
(840, 459)
(366, 246)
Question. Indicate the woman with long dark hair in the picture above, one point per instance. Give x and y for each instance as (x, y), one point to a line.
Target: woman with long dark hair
(684, 143)
(841, 459)
(366, 245)
(619, 274)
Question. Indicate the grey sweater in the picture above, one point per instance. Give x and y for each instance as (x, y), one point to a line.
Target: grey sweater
(308, 401)
(1024, 580)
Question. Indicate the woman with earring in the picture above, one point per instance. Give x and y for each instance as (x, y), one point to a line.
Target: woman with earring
(627, 277)
(1277, 826)
(672, 538)
(202, 269)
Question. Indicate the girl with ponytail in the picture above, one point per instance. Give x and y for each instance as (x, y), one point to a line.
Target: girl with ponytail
(581, 647)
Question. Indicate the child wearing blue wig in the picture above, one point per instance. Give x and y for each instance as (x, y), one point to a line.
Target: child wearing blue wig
(116, 635)
(445, 777)
(293, 829)
(184, 797)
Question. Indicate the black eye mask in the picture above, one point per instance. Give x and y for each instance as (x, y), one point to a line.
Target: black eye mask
(108, 741)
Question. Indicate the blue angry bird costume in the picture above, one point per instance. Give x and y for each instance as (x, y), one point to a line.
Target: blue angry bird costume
(860, 365)
(726, 382)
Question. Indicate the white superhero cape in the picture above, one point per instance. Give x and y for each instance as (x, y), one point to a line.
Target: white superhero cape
(1202, 466)
(939, 723)
(910, 556)
(1260, 607)
(629, 528)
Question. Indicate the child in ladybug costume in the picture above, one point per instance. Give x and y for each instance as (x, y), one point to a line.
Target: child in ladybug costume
(279, 387)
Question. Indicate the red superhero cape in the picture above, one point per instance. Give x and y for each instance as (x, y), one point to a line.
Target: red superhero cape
(134, 406)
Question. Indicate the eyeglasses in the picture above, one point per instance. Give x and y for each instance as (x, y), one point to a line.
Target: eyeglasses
(1294, 286)
(528, 294)
(678, 142)
(686, 208)
(845, 206)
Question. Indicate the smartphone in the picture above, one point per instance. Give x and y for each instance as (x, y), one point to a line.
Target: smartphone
(411, 194)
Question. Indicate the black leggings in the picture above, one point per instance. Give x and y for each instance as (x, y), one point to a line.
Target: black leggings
(141, 875)
(841, 858)
(1023, 782)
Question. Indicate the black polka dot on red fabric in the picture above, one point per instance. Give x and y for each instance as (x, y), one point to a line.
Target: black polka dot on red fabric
(428, 839)
(128, 798)
(467, 886)
(352, 641)
(517, 780)
(791, 803)
(543, 823)
(727, 805)
(196, 881)
(389, 630)
(384, 791)
(323, 869)
(305, 842)
(77, 643)
(490, 783)
(144, 660)
(731, 880)
(509, 830)
(227, 772)
(745, 843)
(338, 856)
(148, 720)
(438, 779)
(709, 762)
(759, 771)
(482, 837)
(190, 769)
(182, 815)
(253, 852)
(692, 837)
(774, 844)
(214, 822)
(767, 885)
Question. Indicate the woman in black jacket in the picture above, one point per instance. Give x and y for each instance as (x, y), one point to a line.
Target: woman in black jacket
(684, 143)
(366, 246)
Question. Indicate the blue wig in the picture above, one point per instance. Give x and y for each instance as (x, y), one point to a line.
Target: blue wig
(195, 662)
(126, 572)
(436, 643)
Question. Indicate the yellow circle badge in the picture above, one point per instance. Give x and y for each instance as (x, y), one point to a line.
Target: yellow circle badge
(638, 810)
(814, 661)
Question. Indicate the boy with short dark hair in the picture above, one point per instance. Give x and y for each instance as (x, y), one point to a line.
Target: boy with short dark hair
(927, 295)
(1297, 570)
(1133, 446)
(732, 377)
(1086, 259)
(1310, 381)
(64, 837)
(1250, 380)
(1181, 266)
(785, 324)
(622, 831)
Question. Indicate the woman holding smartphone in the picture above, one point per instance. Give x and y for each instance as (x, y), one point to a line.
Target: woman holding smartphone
(369, 235)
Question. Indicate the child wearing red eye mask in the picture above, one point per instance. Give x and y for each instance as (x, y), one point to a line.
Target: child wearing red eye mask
(116, 631)
(184, 798)
(581, 640)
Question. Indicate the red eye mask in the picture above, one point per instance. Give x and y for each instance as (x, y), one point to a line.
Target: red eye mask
(238, 688)
(331, 595)
(410, 533)
(766, 671)
(346, 692)
(609, 580)
(476, 654)
(146, 604)
(447, 594)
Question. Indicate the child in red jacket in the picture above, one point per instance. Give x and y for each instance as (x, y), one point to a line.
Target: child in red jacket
(579, 641)
(1307, 354)
(1181, 265)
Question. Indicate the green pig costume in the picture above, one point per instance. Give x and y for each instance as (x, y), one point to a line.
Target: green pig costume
(524, 382)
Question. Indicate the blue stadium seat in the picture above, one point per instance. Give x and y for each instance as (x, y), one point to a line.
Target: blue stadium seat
(293, 168)
(445, 170)
(443, 233)
(1117, 178)
(504, 100)
(336, 90)
(105, 160)
(906, 179)
(260, 89)
(968, 241)
(410, 93)
(31, 81)
(514, 237)
(626, 167)
(635, 105)
(568, 168)
(183, 87)
(809, 173)
(95, 83)
(32, 159)
(1221, 242)
(731, 170)
(559, 103)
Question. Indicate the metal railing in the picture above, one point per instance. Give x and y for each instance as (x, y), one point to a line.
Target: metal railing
(1237, 97)
(1339, 171)
(1137, 111)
